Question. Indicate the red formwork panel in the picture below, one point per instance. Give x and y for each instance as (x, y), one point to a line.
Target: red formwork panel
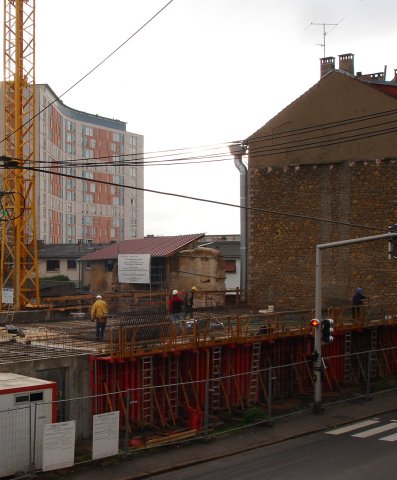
(179, 378)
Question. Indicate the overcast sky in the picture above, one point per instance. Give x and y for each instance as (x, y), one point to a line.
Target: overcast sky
(203, 72)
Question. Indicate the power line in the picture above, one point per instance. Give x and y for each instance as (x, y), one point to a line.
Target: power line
(91, 71)
(216, 202)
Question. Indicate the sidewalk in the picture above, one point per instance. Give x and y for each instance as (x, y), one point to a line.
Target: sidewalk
(178, 456)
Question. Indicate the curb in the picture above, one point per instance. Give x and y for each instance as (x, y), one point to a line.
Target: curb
(209, 458)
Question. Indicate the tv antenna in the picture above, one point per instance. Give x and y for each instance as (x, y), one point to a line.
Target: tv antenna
(325, 31)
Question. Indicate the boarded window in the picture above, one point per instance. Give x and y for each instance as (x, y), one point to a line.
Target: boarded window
(230, 266)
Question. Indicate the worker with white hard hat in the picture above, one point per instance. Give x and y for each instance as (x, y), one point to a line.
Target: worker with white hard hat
(175, 306)
(99, 313)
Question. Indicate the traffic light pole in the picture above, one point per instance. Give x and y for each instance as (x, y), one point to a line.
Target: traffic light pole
(317, 358)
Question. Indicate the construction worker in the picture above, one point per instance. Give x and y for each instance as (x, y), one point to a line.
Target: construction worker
(175, 305)
(188, 301)
(99, 313)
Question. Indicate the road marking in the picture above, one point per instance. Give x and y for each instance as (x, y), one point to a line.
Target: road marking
(375, 431)
(349, 428)
(390, 438)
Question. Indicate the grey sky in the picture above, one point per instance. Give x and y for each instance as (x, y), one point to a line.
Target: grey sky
(203, 72)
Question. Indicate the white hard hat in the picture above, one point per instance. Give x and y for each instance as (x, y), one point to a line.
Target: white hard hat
(98, 297)
(175, 292)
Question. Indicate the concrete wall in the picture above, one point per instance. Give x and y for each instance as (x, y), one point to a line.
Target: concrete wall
(72, 375)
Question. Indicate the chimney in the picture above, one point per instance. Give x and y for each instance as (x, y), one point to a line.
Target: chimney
(346, 62)
(327, 64)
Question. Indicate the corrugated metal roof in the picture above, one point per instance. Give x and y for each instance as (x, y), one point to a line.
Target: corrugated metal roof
(154, 246)
(227, 248)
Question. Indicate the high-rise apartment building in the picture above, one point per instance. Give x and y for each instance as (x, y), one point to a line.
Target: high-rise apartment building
(88, 171)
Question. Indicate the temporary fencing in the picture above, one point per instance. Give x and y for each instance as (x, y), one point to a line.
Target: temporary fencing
(32, 438)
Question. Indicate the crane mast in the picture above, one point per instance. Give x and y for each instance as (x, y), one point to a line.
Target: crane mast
(19, 259)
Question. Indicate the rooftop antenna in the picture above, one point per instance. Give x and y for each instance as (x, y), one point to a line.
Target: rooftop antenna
(325, 32)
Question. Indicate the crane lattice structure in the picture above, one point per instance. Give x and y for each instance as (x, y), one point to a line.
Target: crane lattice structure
(19, 259)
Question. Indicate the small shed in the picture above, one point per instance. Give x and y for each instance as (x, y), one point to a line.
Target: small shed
(26, 405)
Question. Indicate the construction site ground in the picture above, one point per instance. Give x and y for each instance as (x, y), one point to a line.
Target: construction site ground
(150, 462)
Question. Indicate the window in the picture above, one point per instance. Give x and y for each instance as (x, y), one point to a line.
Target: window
(87, 153)
(230, 266)
(88, 131)
(88, 174)
(29, 397)
(72, 265)
(109, 264)
(157, 270)
(87, 198)
(53, 265)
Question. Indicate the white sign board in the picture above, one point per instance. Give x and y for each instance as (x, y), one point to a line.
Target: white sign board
(58, 445)
(7, 296)
(105, 435)
(134, 268)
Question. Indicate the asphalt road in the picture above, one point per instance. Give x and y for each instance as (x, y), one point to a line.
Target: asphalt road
(361, 451)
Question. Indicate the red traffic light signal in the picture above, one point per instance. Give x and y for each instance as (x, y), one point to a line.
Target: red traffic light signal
(315, 323)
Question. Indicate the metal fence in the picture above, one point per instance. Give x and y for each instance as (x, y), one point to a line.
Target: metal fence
(30, 434)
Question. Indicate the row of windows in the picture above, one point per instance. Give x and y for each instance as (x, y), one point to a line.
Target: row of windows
(55, 265)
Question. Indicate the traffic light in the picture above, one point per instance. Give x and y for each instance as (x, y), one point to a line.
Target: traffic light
(314, 323)
(393, 242)
(327, 330)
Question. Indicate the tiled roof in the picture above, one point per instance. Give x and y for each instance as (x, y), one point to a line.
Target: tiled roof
(66, 250)
(154, 246)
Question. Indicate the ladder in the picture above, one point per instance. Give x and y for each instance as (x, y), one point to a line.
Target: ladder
(348, 358)
(374, 344)
(147, 390)
(173, 369)
(9, 320)
(254, 374)
(215, 386)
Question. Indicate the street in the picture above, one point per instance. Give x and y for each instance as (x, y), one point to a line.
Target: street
(359, 451)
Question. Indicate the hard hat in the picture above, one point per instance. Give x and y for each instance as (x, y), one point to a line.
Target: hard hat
(98, 297)
(359, 290)
(174, 292)
(194, 289)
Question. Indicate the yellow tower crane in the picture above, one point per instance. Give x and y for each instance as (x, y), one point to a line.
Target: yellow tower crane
(19, 260)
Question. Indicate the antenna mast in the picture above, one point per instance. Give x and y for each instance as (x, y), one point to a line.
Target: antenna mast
(325, 32)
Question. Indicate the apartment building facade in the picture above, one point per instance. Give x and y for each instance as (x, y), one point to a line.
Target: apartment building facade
(89, 187)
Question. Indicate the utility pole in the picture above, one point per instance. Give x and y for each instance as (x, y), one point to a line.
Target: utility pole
(317, 358)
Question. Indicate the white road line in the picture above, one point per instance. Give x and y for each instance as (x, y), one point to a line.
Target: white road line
(375, 431)
(349, 428)
(390, 438)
